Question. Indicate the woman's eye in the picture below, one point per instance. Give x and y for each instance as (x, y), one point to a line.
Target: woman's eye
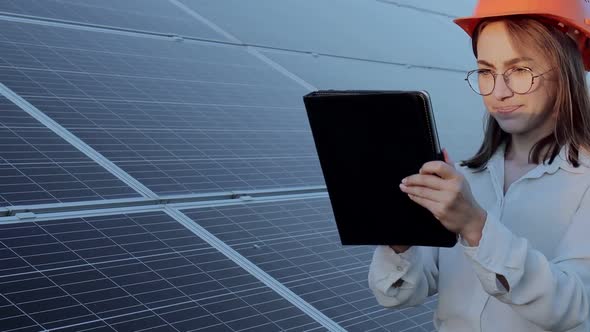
(520, 69)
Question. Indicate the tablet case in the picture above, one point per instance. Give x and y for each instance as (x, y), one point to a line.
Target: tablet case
(367, 142)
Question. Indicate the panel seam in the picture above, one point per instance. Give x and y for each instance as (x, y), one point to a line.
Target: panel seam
(254, 270)
(76, 142)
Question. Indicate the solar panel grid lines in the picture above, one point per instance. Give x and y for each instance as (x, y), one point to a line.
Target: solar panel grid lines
(65, 71)
(313, 265)
(38, 166)
(73, 140)
(205, 21)
(251, 50)
(132, 287)
(65, 68)
(265, 136)
(152, 16)
(255, 270)
(29, 47)
(282, 69)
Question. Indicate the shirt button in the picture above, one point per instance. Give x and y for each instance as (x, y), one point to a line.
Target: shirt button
(399, 268)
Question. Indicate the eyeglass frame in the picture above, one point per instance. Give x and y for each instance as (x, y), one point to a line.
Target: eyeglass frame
(533, 76)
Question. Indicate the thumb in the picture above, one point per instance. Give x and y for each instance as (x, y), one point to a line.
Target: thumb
(448, 159)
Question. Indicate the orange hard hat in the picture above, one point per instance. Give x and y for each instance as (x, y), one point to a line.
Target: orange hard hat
(571, 16)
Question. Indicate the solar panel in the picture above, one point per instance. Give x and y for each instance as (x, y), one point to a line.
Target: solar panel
(39, 167)
(149, 15)
(376, 31)
(130, 272)
(182, 117)
(297, 243)
(187, 118)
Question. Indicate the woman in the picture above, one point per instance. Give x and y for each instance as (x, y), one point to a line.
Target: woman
(521, 205)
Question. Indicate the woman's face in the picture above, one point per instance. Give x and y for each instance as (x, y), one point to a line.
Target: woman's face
(527, 115)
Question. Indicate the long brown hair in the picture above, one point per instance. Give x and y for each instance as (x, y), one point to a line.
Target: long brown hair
(572, 104)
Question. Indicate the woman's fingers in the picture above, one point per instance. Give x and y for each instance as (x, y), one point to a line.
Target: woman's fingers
(425, 180)
(424, 192)
(434, 207)
(440, 168)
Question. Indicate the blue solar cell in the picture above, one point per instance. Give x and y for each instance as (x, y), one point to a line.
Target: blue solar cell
(129, 272)
(37, 166)
(187, 118)
(149, 15)
(297, 243)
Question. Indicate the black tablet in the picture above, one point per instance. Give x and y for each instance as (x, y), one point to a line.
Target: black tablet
(367, 142)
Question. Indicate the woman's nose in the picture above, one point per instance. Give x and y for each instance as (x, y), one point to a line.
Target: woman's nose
(501, 90)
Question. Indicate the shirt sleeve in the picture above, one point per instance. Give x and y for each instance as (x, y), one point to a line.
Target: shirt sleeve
(417, 267)
(553, 294)
(488, 279)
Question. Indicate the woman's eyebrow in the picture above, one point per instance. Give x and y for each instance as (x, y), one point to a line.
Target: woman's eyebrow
(506, 63)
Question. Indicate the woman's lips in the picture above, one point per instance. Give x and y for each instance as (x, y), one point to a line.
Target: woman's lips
(507, 109)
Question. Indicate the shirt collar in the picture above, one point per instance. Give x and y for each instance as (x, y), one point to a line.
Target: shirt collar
(583, 159)
(560, 161)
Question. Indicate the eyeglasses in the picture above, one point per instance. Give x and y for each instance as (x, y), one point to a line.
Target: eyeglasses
(519, 80)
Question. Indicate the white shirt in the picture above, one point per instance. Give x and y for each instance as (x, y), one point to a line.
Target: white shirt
(537, 236)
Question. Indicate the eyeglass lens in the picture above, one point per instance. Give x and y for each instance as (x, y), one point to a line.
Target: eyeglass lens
(519, 80)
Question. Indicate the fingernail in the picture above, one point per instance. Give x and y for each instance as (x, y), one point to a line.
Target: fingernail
(404, 180)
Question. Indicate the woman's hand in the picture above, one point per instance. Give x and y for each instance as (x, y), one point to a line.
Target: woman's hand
(399, 248)
(441, 189)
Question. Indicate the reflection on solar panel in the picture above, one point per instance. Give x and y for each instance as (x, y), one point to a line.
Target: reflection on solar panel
(37, 166)
(128, 273)
(198, 118)
(150, 15)
(297, 243)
